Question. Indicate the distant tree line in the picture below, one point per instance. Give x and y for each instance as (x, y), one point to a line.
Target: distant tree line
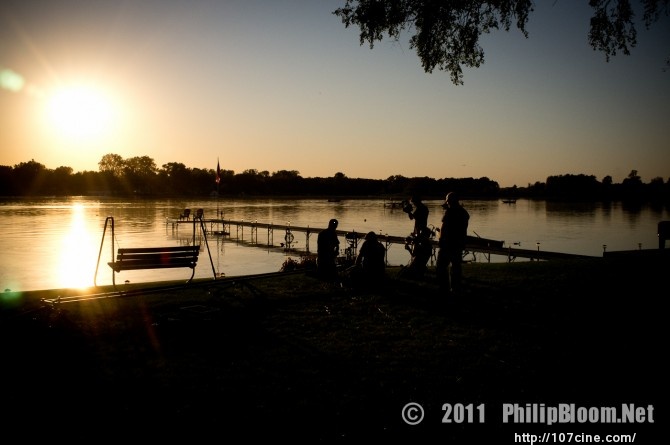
(139, 176)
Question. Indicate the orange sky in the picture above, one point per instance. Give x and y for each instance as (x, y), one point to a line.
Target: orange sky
(285, 86)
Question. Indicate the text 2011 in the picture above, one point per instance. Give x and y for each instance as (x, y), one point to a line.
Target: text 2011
(463, 413)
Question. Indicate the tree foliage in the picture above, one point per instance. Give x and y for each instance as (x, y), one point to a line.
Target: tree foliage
(613, 24)
(446, 33)
(112, 163)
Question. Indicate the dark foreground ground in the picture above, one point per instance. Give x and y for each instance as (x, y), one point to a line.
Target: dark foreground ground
(292, 357)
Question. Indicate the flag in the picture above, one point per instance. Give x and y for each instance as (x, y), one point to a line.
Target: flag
(218, 172)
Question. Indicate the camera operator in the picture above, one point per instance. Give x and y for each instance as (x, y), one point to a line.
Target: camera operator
(418, 211)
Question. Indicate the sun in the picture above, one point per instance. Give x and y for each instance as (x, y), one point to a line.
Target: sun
(80, 112)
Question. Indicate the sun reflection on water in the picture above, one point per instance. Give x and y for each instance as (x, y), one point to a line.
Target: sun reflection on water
(76, 261)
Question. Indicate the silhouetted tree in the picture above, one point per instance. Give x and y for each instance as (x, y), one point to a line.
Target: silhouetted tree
(202, 182)
(631, 187)
(59, 181)
(396, 184)
(29, 177)
(7, 180)
(251, 182)
(537, 189)
(447, 32)
(612, 27)
(655, 189)
(174, 178)
(140, 172)
(285, 182)
(573, 187)
(419, 186)
(111, 168)
(607, 188)
(90, 182)
(113, 164)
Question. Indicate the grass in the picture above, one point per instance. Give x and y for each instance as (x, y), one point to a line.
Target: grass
(291, 356)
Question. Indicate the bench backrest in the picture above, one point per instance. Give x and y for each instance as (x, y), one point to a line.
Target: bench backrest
(157, 257)
(148, 250)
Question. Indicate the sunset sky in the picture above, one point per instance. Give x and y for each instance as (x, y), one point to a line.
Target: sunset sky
(283, 85)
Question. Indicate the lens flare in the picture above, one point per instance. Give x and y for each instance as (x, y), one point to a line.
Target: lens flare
(9, 80)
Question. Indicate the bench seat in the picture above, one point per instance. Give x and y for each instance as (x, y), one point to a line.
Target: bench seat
(138, 258)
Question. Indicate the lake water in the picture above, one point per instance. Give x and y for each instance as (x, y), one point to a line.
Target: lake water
(55, 243)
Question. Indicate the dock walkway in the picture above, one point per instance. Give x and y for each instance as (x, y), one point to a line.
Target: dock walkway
(249, 231)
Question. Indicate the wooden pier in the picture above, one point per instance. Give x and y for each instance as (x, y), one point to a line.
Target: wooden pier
(263, 235)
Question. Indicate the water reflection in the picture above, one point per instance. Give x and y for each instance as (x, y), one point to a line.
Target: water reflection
(563, 208)
(74, 251)
(53, 243)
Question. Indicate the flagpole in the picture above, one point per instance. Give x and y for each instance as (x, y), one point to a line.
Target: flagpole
(218, 184)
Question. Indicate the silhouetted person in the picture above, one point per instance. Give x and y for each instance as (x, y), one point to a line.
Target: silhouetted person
(328, 249)
(419, 213)
(453, 234)
(370, 264)
(421, 248)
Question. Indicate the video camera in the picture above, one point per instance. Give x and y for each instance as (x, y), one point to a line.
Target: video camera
(406, 206)
(420, 241)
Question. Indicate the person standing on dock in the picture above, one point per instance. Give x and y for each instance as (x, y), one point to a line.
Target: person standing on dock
(453, 234)
(418, 211)
(328, 249)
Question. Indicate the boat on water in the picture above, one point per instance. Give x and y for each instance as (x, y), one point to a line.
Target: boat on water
(509, 201)
(390, 203)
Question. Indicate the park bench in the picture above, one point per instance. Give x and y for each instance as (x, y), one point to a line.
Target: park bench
(137, 258)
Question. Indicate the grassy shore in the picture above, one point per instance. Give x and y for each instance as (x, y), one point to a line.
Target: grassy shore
(294, 357)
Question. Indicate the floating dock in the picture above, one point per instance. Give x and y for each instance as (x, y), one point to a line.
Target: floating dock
(248, 231)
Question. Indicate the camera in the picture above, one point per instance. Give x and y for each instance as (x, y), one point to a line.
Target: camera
(406, 206)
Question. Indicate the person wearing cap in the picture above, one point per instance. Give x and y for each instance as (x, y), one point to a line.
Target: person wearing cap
(328, 249)
(453, 234)
(370, 262)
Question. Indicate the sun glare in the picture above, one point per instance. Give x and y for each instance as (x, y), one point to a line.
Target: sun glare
(80, 112)
(76, 264)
